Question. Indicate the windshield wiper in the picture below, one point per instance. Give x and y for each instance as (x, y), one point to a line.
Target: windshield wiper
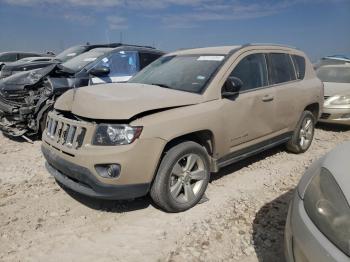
(161, 85)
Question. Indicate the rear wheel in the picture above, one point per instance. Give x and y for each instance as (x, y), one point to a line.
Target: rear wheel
(182, 177)
(303, 135)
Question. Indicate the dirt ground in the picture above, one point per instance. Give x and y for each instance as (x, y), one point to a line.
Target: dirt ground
(242, 221)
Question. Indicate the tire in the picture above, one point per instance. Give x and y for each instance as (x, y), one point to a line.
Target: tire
(303, 134)
(172, 187)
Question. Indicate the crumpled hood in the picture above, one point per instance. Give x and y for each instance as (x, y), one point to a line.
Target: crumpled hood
(27, 78)
(122, 101)
(331, 89)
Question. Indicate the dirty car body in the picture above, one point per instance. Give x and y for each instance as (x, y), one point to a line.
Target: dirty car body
(179, 119)
(25, 98)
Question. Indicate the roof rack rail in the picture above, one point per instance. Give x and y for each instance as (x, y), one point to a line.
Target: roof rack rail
(114, 45)
(260, 44)
(146, 46)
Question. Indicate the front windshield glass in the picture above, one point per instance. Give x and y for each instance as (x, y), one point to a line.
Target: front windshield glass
(79, 62)
(334, 74)
(70, 53)
(188, 73)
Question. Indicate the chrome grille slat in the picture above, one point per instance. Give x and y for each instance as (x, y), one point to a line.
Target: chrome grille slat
(70, 135)
(58, 131)
(75, 139)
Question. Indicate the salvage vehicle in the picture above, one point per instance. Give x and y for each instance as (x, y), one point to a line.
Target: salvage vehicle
(7, 57)
(64, 56)
(336, 108)
(23, 64)
(189, 113)
(26, 97)
(318, 222)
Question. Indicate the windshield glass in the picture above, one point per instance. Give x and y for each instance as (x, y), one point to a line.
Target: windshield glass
(79, 62)
(334, 74)
(185, 73)
(70, 53)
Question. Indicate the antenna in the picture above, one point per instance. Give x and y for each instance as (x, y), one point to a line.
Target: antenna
(107, 36)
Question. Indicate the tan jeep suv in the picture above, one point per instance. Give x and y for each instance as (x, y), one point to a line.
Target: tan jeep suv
(186, 115)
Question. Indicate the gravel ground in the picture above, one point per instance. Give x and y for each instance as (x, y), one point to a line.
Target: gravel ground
(242, 221)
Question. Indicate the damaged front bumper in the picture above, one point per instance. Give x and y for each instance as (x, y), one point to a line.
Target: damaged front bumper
(15, 120)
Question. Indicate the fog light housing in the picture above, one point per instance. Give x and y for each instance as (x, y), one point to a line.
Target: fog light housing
(108, 170)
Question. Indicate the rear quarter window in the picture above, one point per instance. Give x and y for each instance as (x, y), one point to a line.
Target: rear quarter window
(281, 68)
(299, 65)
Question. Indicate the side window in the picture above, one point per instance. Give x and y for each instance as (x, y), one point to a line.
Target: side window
(147, 58)
(24, 55)
(280, 68)
(10, 57)
(299, 64)
(123, 63)
(252, 71)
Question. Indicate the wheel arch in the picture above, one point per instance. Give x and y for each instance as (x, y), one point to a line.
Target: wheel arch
(203, 137)
(314, 108)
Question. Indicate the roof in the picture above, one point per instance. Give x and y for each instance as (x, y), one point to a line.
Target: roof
(100, 49)
(219, 50)
(20, 52)
(224, 50)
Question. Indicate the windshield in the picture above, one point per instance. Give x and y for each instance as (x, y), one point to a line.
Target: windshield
(185, 73)
(70, 53)
(334, 74)
(79, 62)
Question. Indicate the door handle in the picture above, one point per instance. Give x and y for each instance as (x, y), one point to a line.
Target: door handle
(268, 98)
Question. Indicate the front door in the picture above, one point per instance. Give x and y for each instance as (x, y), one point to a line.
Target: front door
(250, 115)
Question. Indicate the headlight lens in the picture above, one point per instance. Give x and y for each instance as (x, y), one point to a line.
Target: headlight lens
(340, 100)
(34, 77)
(327, 207)
(111, 135)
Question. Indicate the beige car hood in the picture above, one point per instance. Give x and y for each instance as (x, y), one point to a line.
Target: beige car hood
(122, 101)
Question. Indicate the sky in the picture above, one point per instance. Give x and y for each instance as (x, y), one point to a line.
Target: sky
(318, 27)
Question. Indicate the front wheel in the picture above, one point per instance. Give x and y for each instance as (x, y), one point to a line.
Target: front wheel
(182, 177)
(303, 134)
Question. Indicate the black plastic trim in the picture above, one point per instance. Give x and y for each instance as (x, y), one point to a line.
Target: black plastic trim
(253, 150)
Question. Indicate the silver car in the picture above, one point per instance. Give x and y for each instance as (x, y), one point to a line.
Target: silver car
(318, 223)
(336, 79)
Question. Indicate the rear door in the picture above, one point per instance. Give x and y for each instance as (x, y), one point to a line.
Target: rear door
(250, 115)
(283, 78)
(122, 65)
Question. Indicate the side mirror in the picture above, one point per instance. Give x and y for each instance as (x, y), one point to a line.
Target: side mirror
(100, 71)
(232, 87)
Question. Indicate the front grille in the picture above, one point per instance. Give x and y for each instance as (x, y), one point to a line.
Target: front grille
(68, 134)
(17, 98)
(325, 116)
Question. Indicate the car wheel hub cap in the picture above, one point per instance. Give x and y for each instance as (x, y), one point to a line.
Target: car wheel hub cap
(187, 178)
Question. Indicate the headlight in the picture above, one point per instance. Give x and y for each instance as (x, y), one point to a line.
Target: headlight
(111, 135)
(328, 209)
(34, 77)
(340, 100)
